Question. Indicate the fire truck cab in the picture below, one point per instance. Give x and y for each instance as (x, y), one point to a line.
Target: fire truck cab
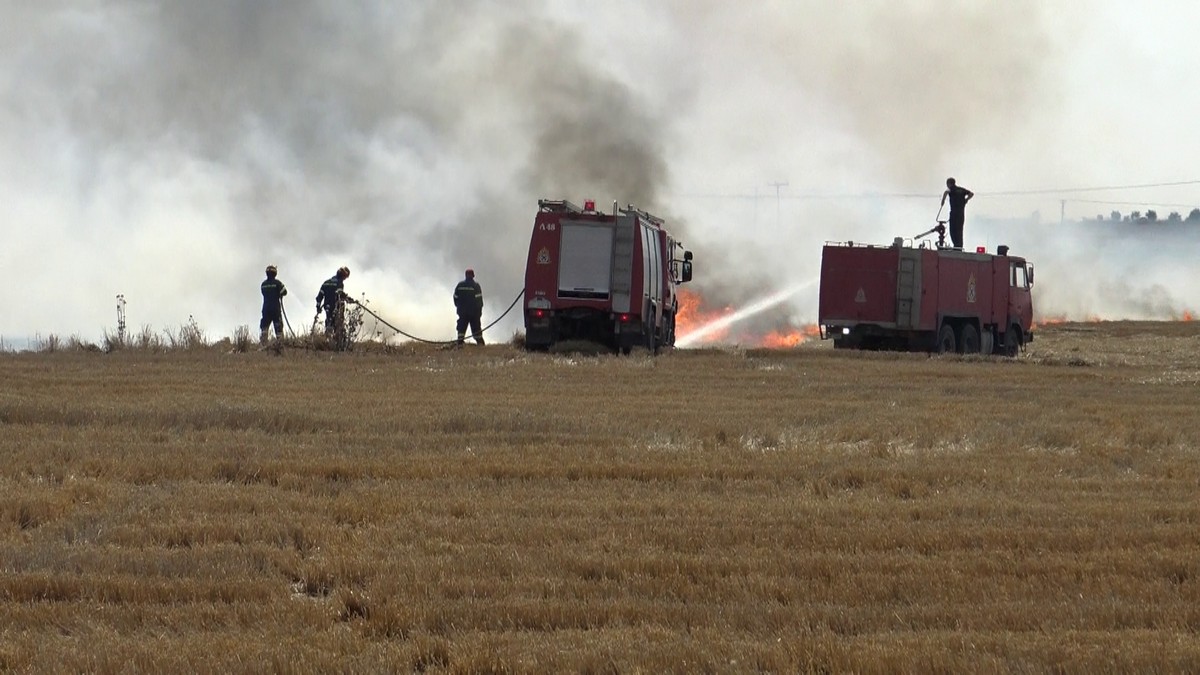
(602, 277)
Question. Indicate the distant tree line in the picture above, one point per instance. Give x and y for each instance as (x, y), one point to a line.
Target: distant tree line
(1150, 217)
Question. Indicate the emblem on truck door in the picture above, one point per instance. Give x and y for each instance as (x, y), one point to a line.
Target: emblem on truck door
(971, 288)
(543, 256)
(861, 297)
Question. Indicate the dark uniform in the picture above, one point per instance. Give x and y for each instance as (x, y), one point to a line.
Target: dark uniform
(959, 196)
(468, 302)
(330, 296)
(273, 291)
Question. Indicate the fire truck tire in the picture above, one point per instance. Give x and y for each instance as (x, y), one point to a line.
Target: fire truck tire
(651, 342)
(946, 343)
(968, 342)
(1012, 340)
(987, 341)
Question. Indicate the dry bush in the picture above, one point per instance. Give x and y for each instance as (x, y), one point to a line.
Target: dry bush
(242, 342)
(411, 508)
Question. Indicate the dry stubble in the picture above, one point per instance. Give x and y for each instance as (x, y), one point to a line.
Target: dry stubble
(491, 510)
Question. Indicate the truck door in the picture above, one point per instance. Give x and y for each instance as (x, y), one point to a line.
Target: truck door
(1020, 303)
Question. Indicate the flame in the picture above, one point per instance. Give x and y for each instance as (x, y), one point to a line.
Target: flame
(790, 338)
(694, 315)
(1187, 315)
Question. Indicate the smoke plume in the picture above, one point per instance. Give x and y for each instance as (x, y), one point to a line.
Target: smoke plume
(168, 151)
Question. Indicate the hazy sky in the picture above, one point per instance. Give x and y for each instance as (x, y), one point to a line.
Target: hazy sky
(168, 151)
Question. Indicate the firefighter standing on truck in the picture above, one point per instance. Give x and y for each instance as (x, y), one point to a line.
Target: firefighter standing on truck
(331, 297)
(959, 196)
(273, 291)
(468, 302)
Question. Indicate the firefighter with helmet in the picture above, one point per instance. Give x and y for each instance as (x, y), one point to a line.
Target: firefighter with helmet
(331, 298)
(273, 291)
(468, 302)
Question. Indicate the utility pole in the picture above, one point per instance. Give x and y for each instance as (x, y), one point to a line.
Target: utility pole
(755, 207)
(777, 186)
(1062, 214)
(121, 319)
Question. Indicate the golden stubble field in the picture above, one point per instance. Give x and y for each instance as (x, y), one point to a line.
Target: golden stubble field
(489, 510)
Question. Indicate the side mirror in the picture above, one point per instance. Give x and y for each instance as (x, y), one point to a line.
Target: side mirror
(1029, 273)
(686, 272)
(687, 255)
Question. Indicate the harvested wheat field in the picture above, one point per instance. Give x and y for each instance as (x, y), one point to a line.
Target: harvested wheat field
(711, 510)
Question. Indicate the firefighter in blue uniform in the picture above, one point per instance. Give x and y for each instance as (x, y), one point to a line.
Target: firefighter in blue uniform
(468, 302)
(331, 296)
(273, 291)
(959, 196)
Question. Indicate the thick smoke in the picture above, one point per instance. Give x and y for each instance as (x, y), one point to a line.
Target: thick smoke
(170, 150)
(190, 144)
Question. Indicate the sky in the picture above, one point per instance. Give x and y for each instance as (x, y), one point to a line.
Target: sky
(167, 151)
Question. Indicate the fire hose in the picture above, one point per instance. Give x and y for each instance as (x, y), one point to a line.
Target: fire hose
(283, 310)
(443, 342)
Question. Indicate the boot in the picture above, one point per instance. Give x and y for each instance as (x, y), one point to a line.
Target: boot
(262, 338)
(478, 339)
(462, 335)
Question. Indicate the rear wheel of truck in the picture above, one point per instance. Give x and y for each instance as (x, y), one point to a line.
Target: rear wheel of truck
(969, 342)
(946, 343)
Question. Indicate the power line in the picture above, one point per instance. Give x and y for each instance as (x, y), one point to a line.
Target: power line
(833, 196)
(1116, 203)
(1049, 191)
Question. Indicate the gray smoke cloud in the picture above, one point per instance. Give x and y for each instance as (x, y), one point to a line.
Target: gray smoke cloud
(169, 150)
(407, 140)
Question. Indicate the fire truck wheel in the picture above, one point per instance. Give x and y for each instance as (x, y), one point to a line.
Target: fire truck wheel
(1012, 340)
(946, 343)
(987, 341)
(969, 342)
(651, 343)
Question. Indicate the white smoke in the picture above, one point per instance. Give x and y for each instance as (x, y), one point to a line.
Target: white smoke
(168, 151)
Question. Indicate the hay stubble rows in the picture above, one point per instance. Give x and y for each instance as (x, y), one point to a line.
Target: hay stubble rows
(486, 509)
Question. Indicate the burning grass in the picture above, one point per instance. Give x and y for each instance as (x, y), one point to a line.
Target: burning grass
(486, 509)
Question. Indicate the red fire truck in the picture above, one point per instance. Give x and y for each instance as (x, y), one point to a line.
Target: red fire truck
(602, 277)
(925, 298)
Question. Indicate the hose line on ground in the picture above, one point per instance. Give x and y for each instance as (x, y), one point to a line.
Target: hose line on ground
(443, 342)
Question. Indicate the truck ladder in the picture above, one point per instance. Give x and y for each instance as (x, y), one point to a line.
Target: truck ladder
(908, 289)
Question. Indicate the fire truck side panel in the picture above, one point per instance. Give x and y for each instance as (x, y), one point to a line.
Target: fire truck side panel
(858, 285)
(930, 313)
(666, 280)
(622, 263)
(965, 286)
(1000, 288)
